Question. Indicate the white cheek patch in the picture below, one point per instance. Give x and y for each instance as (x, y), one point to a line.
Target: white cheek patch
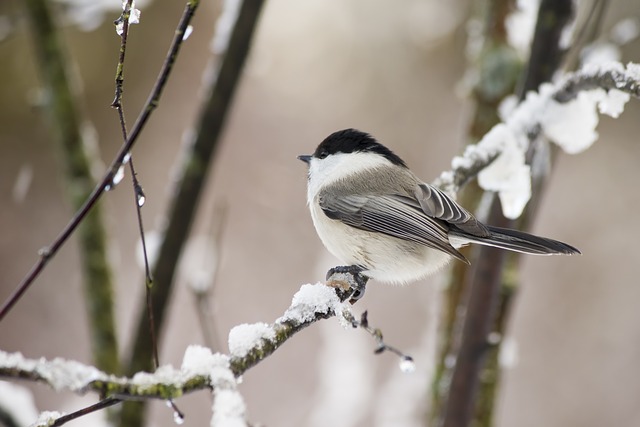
(339, 166)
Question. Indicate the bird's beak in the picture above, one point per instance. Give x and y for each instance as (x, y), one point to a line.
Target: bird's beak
(305, 158)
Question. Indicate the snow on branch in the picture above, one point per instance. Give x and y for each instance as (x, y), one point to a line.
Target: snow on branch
(201, 369)
(565, 112)
(249, 344)
(609, 76)
(166, 383)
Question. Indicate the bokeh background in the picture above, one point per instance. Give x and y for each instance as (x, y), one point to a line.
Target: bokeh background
(390, 68)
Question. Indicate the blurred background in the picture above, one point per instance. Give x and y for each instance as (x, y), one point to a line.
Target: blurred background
(393, 69)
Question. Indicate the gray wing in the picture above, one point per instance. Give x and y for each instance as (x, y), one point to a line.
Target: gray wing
(437, 204)
(393, 215)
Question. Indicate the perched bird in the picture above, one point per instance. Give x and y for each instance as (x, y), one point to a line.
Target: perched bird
(382, 221)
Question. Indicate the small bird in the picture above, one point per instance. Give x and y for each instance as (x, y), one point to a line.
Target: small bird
(375, 215)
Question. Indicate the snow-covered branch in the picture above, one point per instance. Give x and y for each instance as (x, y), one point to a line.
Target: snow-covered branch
(60, 374)
(201, 368)
(565, 112)
(613, 76)
(249, 344)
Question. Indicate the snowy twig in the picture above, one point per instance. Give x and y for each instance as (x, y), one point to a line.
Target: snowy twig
(592, 77)
(47, 253)
(531, 117)
(166, 382)
(250, 344)
(201, 369)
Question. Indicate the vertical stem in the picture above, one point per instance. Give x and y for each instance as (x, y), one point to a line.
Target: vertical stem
(183, 205)
(66, 123)
(498, 67)
(484, 286)
(472, 394)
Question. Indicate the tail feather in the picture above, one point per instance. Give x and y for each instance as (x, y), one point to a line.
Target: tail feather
(518, 241)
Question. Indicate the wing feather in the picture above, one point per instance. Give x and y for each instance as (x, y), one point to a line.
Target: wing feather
(394, 215)
(437, 204)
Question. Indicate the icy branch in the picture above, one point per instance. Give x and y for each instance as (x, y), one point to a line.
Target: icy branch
(565, 112)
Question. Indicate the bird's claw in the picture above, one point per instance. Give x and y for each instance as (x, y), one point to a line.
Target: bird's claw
(357, 285)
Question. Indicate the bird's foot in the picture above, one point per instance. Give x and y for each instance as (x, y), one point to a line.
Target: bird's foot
(355, 287)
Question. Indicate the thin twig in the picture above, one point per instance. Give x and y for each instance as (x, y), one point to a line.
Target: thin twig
(124, 18)
(138, 192)
(194, 172)
(104, 403)
(183, 205)
(376, 333)
(50, 251)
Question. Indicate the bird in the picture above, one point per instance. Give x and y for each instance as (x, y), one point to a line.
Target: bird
(376, 216)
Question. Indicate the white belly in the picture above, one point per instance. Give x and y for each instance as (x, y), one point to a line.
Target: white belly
(384, 258)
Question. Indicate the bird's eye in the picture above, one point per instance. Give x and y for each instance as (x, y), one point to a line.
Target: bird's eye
(323, 154)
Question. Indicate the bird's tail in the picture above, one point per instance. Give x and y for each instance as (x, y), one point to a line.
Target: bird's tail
(518, 241)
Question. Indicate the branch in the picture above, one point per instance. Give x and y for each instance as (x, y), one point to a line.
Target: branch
(201, 369)
(193, 175)
(167, 382)
(66, 123)
(528, 118)
(47, 253)
(591, 77)
(250, 344)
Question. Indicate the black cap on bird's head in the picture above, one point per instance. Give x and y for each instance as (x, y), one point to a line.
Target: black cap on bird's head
(352, 141)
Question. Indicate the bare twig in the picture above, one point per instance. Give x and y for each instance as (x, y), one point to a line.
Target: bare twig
(66, 123)
(183, 205)
(376, 333)
(104, 403)
(138, 192)
(186, 196)
(152, 102)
